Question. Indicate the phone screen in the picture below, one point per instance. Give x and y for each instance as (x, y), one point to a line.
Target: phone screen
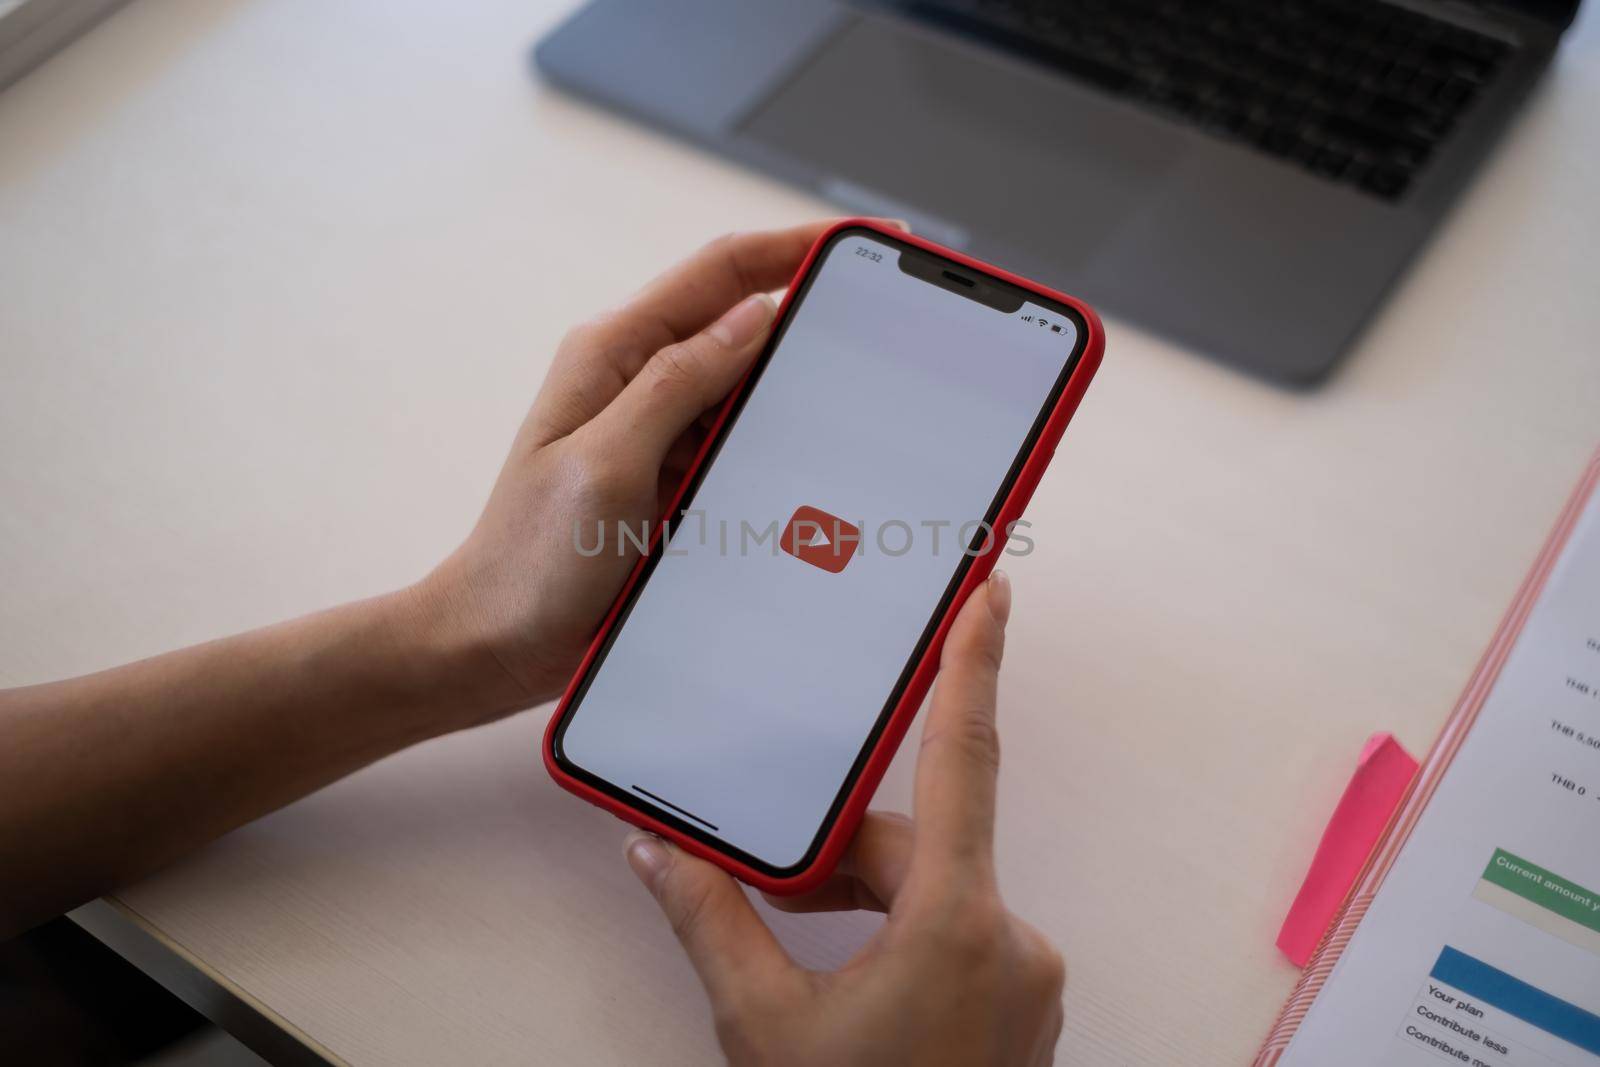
(758, 658)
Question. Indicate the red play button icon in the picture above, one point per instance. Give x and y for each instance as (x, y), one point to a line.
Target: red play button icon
(822, 540)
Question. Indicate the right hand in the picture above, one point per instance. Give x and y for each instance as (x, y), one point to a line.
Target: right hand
(952, 977)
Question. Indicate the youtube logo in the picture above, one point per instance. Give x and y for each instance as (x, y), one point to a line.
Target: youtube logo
(822, 540)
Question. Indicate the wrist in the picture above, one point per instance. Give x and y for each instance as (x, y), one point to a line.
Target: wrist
(453, 674)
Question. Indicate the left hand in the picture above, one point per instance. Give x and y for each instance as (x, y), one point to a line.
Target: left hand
(608, 440)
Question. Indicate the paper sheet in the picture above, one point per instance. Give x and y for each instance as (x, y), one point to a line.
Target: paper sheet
(1482, 946)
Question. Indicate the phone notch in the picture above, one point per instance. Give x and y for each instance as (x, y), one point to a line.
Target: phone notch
(971, 284)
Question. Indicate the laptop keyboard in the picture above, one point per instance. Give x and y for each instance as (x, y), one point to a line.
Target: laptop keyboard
(1355, 91)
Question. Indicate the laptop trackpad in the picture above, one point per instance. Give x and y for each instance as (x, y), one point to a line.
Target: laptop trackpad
(897, 119)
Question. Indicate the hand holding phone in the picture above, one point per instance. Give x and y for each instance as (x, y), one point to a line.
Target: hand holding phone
(607, 440)
(952, 977)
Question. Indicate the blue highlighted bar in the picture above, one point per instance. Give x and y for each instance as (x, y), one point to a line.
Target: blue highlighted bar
(1517, 998)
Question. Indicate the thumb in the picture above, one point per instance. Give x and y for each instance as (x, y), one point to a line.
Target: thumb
(960, 756)
(729, 945)
(680, 382)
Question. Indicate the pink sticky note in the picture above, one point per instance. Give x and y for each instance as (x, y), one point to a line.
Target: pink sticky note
(1382, 775)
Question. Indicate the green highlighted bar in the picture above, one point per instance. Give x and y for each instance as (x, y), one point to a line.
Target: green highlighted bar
(1549, 891)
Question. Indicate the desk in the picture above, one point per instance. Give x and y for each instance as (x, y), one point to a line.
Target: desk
(280, 278)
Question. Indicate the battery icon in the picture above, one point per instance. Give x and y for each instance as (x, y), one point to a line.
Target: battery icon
(1055, 328)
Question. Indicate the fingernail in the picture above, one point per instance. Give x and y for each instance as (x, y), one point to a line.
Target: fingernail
(647, 855)
(999, 595)
(899, 224)
(747, 319)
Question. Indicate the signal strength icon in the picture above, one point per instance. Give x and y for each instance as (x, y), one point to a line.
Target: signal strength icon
(1027, 318)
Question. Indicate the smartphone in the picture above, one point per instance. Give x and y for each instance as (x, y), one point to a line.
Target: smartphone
(751, 683)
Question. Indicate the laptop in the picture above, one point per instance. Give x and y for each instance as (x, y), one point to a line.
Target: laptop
(1245, 177)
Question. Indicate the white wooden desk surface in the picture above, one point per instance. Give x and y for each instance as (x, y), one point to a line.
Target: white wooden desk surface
(278, 279)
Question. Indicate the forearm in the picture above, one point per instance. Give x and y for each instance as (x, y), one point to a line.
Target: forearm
(108, 776)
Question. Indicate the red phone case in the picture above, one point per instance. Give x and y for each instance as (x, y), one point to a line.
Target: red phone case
(839, 834)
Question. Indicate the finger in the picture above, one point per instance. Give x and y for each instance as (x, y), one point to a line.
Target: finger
(687, 297)
(870, 874)
(682, 301)
(960, 756)
(729, 945)
(674, 471)
(1052, 1036)
(675, 464)
(682, 380)
(598, 359)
